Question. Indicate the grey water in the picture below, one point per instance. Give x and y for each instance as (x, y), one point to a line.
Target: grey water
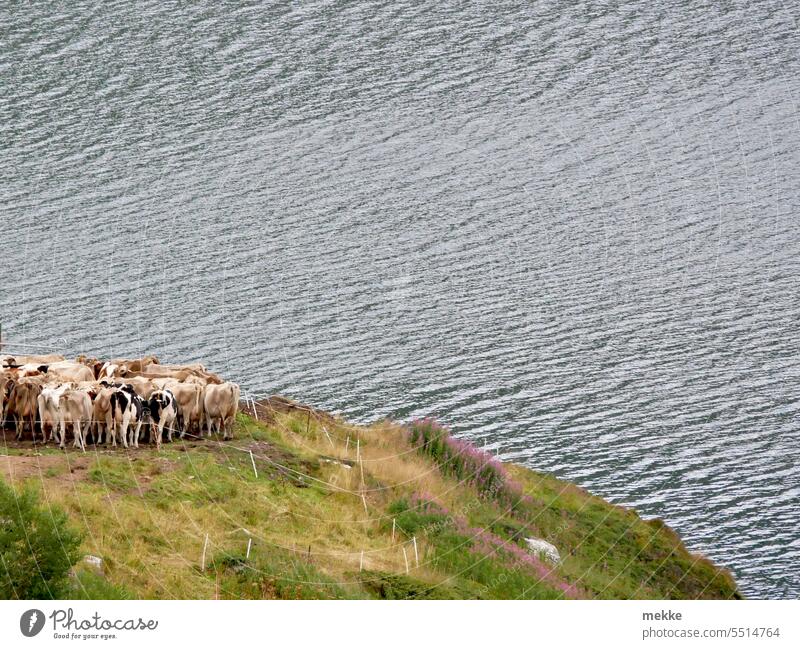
(570, 231)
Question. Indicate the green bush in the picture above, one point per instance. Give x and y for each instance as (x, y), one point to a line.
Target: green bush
(37, 547)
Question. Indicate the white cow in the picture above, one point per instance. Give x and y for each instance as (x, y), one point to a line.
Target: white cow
(49, 402)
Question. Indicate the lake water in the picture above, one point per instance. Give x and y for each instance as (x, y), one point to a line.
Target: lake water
(569, 231)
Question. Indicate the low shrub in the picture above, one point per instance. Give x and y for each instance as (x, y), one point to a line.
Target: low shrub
(86, 584)
(384, 585)
(272, 573)
(37, 547)
(416, 516)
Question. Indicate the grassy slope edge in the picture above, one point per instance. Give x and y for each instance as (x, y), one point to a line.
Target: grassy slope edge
(319, 523)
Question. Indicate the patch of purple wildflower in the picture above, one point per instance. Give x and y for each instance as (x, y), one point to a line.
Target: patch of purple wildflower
(460, 459)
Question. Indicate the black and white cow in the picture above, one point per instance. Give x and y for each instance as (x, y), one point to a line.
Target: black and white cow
(127, 414)
(163, 414)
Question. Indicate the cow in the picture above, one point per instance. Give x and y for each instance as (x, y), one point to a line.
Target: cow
(163, 414)
(23, 404)
(194, 369)
(6, 384)
(29, 370)
(182, 375)
(142, 386)
(49, 402)
(76, 408)
(101, 415)
(92, 363)
(189, 398)
(220, 404)
(127, 410)
(69, 371)
(117, 366)
(39, 359)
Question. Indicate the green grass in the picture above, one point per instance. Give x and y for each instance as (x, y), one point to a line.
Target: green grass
(321, 525)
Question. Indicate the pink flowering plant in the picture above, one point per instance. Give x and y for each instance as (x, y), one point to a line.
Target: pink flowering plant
(462, 460)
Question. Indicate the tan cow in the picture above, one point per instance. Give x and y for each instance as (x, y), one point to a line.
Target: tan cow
(76, 409)
(221, 403)
(196, 369)
(69, 371)
(101, 416)
(178, 375)
(23, 404)
(189, 398)
(141, 386)
(6, 384)
(32, 359)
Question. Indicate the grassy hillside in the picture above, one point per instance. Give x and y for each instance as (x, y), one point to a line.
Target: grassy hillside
(341, 511)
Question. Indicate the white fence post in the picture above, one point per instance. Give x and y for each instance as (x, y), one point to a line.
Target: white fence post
(203, 560)
(253, 460)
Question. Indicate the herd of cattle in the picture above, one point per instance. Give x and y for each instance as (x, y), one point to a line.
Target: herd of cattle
(111, 400)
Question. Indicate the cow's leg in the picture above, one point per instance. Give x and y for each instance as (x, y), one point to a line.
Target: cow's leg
(62, 429)
(41, 419)
(78, 435)
(138, 430)
(123, 430)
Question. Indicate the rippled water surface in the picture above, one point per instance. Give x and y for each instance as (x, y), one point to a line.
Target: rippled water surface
(570, 231)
